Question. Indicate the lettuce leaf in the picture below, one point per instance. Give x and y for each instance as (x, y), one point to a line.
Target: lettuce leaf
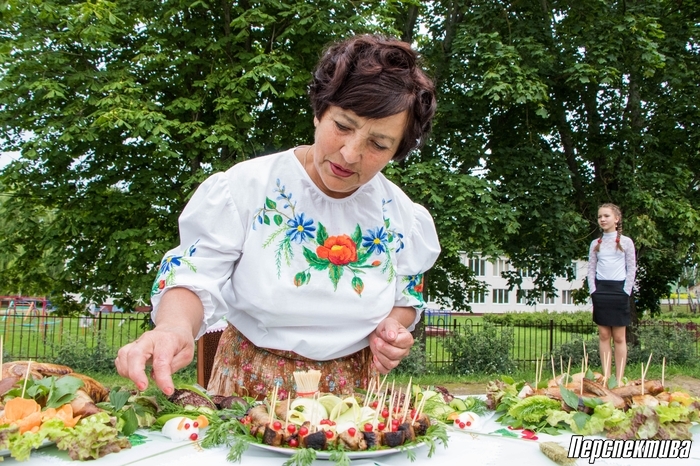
(533, 409)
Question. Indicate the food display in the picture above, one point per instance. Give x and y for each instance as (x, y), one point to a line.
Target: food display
(48, 403)
(584, 405)
(383, 418)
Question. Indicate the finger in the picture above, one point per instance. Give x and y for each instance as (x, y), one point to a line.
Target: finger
(390, 330)
(162, 375)
(131, 363)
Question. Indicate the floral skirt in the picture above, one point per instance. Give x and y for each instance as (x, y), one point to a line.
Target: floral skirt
(244, 369)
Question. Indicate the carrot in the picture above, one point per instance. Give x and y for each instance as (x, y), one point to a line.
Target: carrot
(19, 408)
(29, 422)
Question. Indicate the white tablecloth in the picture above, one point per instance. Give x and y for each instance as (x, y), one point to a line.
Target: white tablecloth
(463, 449)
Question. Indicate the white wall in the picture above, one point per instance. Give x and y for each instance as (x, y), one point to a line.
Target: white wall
(490, 274)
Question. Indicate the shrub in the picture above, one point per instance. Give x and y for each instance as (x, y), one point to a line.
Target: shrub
(79, 356)
(574, 349)
(676, 343)
(542, 318)
(415, 363)
(484, 352)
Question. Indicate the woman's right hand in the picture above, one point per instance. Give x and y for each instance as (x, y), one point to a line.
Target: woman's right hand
(166, 350)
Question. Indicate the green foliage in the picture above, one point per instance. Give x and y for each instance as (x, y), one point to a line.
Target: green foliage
(415, 363)
(546, 110)
(673, 342)
(81, 357)
(579, 320)
(486, 351)
(574, 350)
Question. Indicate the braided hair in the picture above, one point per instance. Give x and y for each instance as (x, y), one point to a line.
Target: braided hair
(618, 226)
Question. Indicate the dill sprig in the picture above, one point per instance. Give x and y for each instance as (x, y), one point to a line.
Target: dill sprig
(436, 431)
(301, 457)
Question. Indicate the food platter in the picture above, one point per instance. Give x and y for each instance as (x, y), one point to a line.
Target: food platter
(45, 443)
(353, 455)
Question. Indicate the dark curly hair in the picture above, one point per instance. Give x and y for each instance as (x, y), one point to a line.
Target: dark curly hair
(376, 77)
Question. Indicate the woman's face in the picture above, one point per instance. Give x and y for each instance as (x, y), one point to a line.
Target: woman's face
(349, 150)
(607, 220)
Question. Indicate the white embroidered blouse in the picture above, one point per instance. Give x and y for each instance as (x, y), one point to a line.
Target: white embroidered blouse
(609, 263)
(294, 269)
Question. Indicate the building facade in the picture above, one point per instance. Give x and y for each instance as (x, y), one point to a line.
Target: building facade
(498, 299)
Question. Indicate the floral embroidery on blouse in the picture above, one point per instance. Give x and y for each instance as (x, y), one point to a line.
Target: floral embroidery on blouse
(169, 266)
(337, 254)
(414, 288)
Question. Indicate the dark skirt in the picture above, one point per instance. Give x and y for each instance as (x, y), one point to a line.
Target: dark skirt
(611, 305)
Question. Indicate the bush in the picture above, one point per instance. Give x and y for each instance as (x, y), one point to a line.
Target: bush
(484, 352)
(76, 354)
(676, 343)
(542, 318)
(574, 349)
(415, 363)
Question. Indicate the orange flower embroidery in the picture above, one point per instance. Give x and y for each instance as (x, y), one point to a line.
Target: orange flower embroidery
(339, 250)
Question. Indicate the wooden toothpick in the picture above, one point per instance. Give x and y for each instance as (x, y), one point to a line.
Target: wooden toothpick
(26, 377)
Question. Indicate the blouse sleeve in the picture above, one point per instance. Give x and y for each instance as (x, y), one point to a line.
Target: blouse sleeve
(421, 249)
(592, 264)
(211, 236)
(631, 266)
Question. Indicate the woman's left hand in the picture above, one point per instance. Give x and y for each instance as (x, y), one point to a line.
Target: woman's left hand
(390, 343)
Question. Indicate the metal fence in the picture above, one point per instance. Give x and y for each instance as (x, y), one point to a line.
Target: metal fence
(39, 337)
(531, 340)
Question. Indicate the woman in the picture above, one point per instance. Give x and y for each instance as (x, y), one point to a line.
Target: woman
(312, 256)
(611, 273)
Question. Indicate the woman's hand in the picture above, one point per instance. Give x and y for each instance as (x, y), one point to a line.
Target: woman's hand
(166, 350)
(390, 343)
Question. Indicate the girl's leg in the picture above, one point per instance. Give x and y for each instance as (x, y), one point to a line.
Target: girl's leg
(605, 349)
(620, 339)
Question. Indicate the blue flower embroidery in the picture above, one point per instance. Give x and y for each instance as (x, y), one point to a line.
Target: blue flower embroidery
(375, 241)
(300, 229)
(168, 263)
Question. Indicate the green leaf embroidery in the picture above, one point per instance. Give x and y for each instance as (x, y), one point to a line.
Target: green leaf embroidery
(315, 261)
(270, 204)
(278, 219)
(357, 236)
(357, 285)
(322, 234)
(335, 272)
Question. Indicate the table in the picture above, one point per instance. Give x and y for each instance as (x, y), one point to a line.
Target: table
(463, 448)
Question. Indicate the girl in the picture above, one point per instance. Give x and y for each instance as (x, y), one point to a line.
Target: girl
(611, 272)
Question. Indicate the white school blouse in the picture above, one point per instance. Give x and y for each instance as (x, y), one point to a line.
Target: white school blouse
(609, 263)
(293, 269)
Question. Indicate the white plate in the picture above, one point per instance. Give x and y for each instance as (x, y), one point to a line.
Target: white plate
(45, 443)
(326, 455)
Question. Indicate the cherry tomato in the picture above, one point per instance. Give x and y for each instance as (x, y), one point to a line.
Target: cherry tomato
(187, 425)
(385, 413)
(381, 426)
(195, 424)
(352, 431)
(277, 425)
(303, 431)
(293, 442)
(194, 436)
(329, 434)
(374, 404)
(291, 428)
(369, 427)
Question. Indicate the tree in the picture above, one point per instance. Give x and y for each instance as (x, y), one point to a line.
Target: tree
(565, 105)
(121, 108)
(546, 110)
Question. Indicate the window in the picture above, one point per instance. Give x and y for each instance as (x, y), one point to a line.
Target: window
(499, 266)
(500, 296)
(526, 273)
(547, 298)
(477, 297)
(522, 296)
(478, 266)
(567, 297)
